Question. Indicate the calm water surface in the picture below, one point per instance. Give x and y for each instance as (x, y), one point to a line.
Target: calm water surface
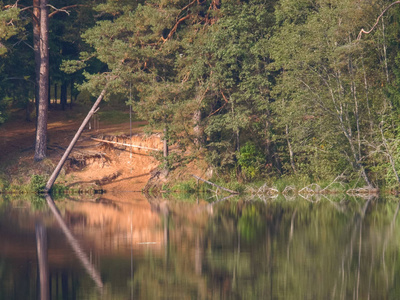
(128, 247)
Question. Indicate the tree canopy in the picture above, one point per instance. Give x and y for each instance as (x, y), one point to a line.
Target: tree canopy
(260, 88)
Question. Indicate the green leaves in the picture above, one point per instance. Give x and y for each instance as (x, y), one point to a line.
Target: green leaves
(285, 76)
(9, 21)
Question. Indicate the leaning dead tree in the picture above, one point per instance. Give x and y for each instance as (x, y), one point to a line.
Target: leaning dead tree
(377, 21)
(216, 185)
(388, 151)
(57, 170)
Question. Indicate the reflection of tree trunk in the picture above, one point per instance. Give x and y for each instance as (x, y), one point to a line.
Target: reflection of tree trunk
(348, 252)
(290, 233)
(237, 261)
(166, 236)
(388, 237)
(198, 256)
(41, 132)
(64, 285)
(359, 261)
(41, 245)
(82, 256)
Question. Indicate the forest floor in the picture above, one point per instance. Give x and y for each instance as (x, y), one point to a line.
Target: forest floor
(91, 164)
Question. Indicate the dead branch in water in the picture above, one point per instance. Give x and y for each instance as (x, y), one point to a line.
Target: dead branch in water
(216, 185)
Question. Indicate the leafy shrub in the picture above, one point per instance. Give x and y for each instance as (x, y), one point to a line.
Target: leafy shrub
(37, 183)
(4, 184)
(251, 160)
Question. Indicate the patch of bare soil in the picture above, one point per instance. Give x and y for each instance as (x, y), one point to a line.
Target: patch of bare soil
(112, 167)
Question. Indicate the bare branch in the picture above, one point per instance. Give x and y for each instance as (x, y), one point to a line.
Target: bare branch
(377, 21)
(186, 7)
(63, 9)
(57, 9)
(11, 5)
(175, 28)
(226, 102)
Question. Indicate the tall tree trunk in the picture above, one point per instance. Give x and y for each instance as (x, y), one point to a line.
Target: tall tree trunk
(41, 129)
(165, 143)
(71, 93)
(165, 147)
(198, 129)
(291, 156)
(55, 94)
(63, 96)
(28, 111)
(36, 50)
(49, 97)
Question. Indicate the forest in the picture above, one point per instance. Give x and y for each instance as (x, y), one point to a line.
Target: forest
(259, 88)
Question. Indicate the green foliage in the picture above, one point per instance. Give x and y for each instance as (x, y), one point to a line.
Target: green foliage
(37, 183)
(251, 160)
(188, 187)
(251, 224)
(276, 88)
(10, 24)
(4, 184)
(38, 202)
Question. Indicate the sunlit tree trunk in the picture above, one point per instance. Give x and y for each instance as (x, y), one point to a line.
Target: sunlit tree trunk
(198, 129)
(41, 129)
(291, 156)
(165, 143)
(36, 49)
(55, 95)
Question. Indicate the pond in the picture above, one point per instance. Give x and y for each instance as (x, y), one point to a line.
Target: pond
(125, 246)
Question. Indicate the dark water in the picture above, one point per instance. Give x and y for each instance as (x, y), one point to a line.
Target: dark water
(123, 247)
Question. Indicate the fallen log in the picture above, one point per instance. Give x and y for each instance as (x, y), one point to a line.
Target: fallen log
(216, 185)
(124, 144)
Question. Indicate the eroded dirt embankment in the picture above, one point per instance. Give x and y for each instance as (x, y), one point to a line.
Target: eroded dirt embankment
(91, 164)
(107, 161)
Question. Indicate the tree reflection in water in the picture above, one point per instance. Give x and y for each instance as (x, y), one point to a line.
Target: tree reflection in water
(332, 247)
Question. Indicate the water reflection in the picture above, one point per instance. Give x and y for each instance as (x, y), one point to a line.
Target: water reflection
(80, 253)
(41, 243)
(130, 247)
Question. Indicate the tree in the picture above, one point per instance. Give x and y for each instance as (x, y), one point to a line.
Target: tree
(229, 65)
(41, 127)
(14, 19)
(324, 84)
(10, 28)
